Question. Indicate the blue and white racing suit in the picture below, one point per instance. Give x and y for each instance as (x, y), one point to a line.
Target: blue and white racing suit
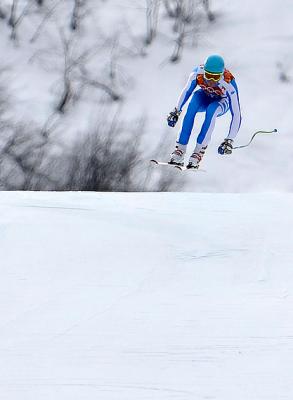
(215, 100)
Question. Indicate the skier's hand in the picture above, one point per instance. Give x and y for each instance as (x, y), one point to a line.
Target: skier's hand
(226, 147)
(173, 117)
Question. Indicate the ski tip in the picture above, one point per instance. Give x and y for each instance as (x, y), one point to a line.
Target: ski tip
(275, 130)
(154, 161)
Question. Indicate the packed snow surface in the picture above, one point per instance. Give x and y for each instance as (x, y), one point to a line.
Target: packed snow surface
(146, 296)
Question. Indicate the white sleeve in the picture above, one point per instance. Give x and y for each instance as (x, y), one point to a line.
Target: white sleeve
(235, 111)
(187, 91)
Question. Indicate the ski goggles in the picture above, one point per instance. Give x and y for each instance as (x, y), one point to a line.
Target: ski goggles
(211, 76)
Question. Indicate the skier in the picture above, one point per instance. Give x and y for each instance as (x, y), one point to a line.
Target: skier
(218, 93)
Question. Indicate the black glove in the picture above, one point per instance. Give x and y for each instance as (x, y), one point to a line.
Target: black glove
(226, 147)
(173, 117)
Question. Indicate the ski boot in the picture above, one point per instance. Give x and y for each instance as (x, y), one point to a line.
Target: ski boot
(177, 157)
(196, 158)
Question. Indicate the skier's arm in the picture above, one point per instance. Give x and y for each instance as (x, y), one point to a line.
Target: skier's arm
(235, 110)
(187, 91)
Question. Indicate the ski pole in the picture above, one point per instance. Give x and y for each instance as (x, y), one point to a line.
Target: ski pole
(253, 136)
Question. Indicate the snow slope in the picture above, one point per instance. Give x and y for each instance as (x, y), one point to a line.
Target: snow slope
(146, 296)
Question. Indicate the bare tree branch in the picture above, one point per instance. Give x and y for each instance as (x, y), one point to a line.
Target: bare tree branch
(16, 17)
(152, 12)
(77, 14)
(94, 82)
(210, 14)
(48, 15)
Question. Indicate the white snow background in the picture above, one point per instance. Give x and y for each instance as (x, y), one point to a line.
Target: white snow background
(252, 36)
(156, 296)
(146, 296)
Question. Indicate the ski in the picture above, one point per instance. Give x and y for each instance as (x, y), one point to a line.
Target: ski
(164, 163)
(180, 167)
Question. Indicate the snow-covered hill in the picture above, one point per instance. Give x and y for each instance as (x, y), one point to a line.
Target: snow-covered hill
(252, 36)
(149, 296)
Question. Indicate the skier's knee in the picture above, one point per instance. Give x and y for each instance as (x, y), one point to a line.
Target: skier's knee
(214, 108)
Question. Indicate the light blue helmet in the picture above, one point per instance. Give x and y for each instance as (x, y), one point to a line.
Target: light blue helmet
(214, 64)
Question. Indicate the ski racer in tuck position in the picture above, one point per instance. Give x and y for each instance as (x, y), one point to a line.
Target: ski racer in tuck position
(217, 94)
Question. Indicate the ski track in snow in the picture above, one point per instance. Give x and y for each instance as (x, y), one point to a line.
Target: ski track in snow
(100, 298)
